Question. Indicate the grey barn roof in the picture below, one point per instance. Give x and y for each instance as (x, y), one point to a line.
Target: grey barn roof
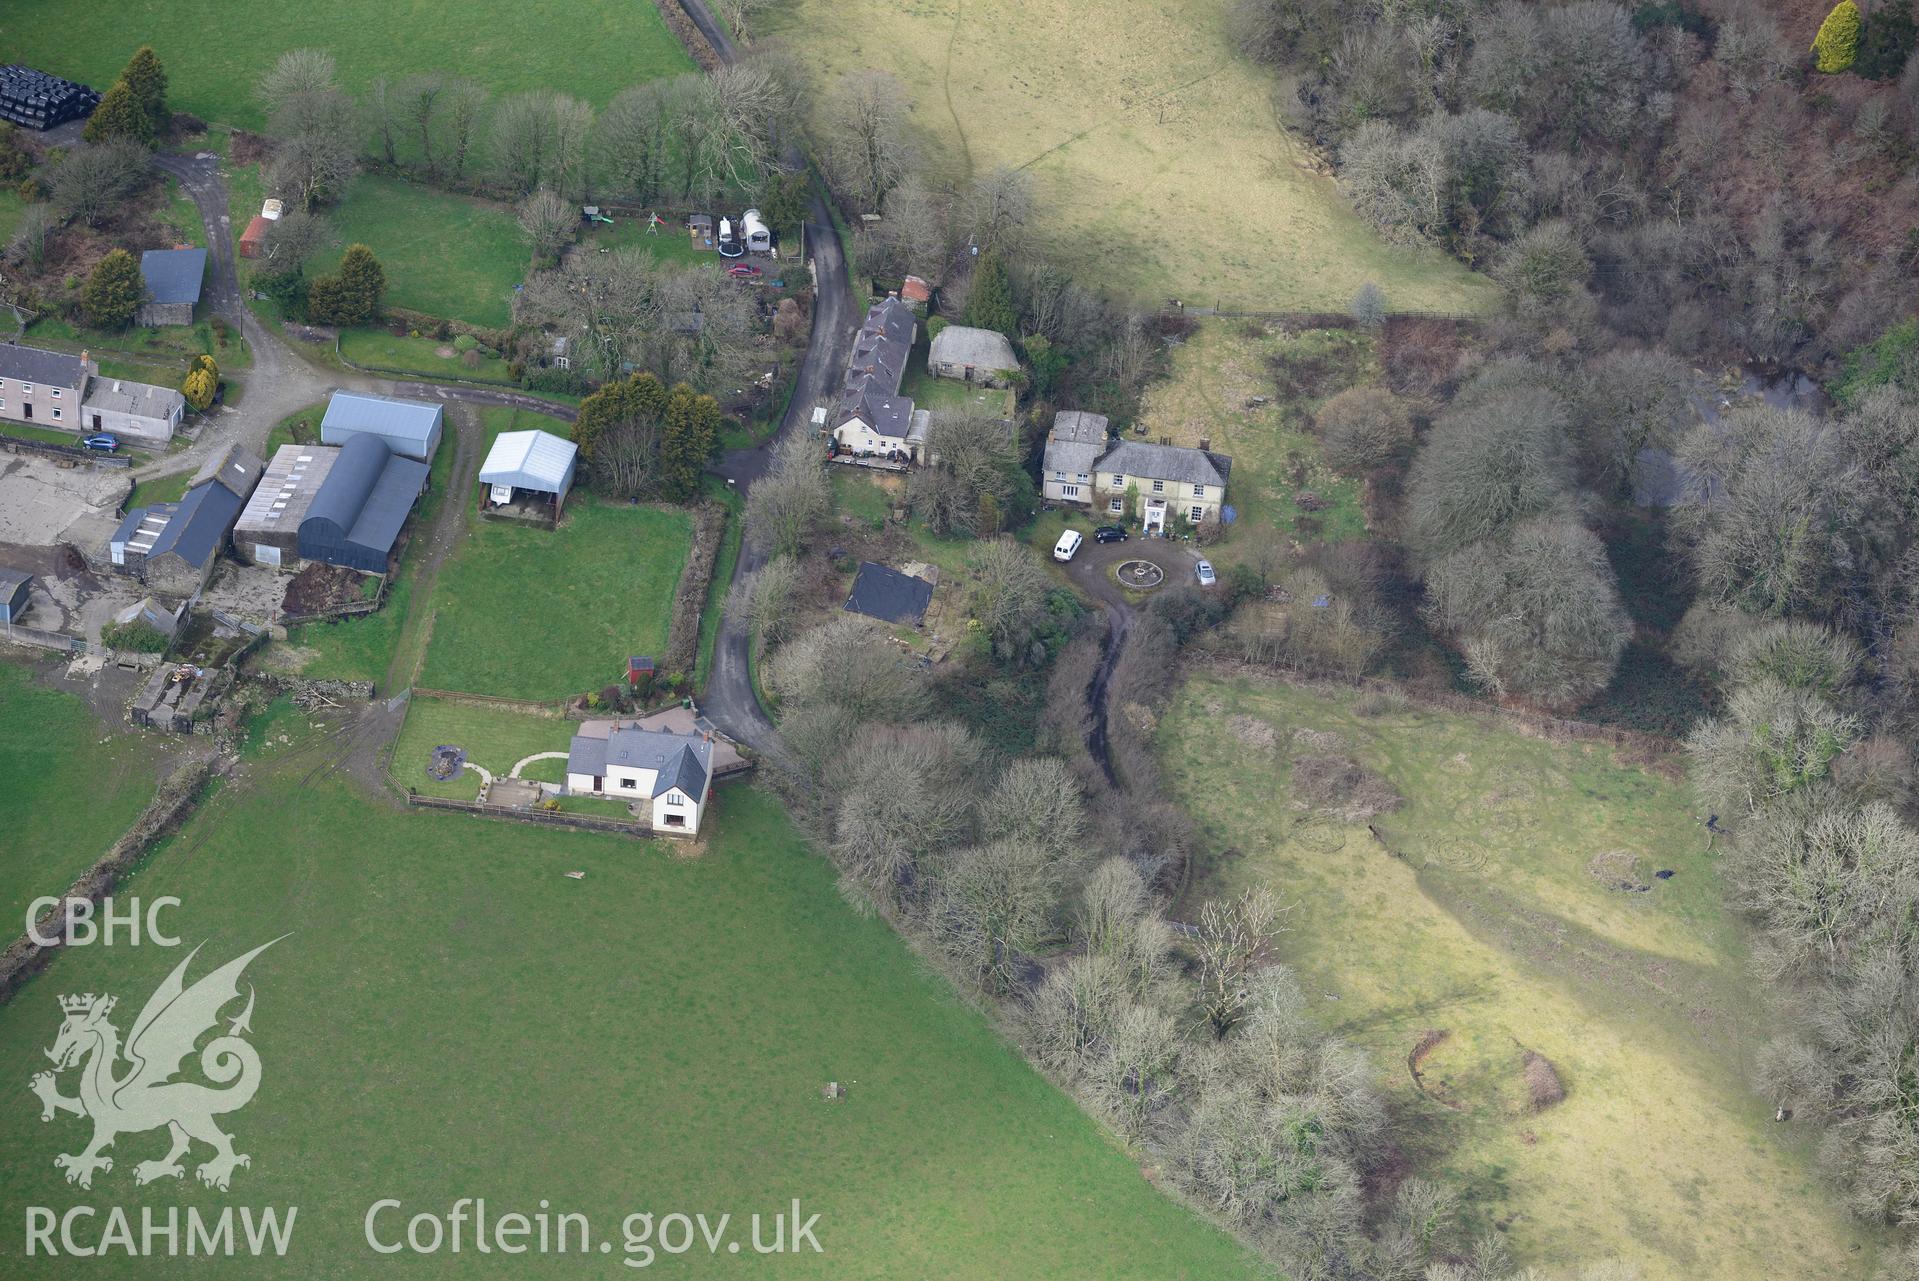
(200, 524)
(682, 760)
(31, 365)
(173, 275)
(236, 467)
(14, 585)
(888, 595)
(409, 426)
(979, 348)
(1076, 442)
(285, 493)
(357, 513)
(1168, 462)
(153, 518)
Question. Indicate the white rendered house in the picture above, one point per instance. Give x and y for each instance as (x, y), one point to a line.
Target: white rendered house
(670, 773)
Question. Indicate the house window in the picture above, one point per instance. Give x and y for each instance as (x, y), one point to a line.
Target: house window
(56, 393)
(1119, 480)
(1069, 491)
(1116, 506)
(3, 406)
(1199, 491)
(629, 784)
(1059, 475)
(27, 388)
(675, 799)
(1198, 514)
(1159, 487)
(56, 415)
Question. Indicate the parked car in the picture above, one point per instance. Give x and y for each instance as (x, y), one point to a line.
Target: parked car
(743, 270)
(1109, 534)
(101, 441)
(1206, 578)
(1068, 545)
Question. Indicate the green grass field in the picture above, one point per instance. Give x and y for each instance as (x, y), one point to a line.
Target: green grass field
(444, 254)
(65, 795)
(1499, 919)
(591, 51)
(1159, 168)
(949, 395)
(378, 349)
(452, 1017)
(162, 489)
(530, 613)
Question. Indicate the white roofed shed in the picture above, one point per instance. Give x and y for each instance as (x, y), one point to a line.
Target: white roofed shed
(529, 463)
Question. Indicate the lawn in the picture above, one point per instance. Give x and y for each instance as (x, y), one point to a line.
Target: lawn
(162, 489)
(301, 427)
(591, 51)
(1509, 916)
(1159, 169)
(445, 255)
(452, 1017)
(530, 613)
(1207, 395)
(950, 395)
(69, 787)
(157, 355)
(494, 738)
(380, 350)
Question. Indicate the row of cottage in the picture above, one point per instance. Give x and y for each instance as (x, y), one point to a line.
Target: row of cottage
(1083, 465)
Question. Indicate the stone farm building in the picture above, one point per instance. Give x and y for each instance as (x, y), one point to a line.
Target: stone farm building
(410, 428)
(173, 279)
(64, 392)
(972, 355)
(871, 418)
(339, 506)
(672, 772)
(173, 547)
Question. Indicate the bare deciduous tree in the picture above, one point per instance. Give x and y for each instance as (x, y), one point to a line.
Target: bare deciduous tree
(92, 182)
(1231, 938)
(783, 509)
(769, 600)
(295, 73)
(868, 148)
(547, 222)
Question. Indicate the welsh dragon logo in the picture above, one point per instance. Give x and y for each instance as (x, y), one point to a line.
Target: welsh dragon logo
(144, 1096)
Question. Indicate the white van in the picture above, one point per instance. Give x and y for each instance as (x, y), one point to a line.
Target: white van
(1067, 545)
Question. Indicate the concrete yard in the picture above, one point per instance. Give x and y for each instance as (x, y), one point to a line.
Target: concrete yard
(43, 503)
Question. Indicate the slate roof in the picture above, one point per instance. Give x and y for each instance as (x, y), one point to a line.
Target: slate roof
(144, 400)
(965, 345)
(173, 275)
(10, 582)
(130, 525)
(681, 760)
(1168, 462)
(888, 595)
(530, 460)
(1075, 443)
(871, 388)
(31, 365)
(200, 524)
(236, 467)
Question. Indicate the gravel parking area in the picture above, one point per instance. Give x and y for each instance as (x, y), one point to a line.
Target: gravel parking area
(41, 501)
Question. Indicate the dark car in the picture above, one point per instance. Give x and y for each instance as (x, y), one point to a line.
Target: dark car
(1109, 534)
(103, 442)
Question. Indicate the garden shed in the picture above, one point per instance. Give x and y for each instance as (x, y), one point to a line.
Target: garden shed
(528, 466)
(253, 241)
(357, 513)
(410, 428)
(173, 278)
(14, 589)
